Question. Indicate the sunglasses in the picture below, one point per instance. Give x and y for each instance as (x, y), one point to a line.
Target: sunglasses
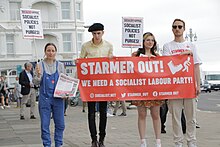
(175, 27)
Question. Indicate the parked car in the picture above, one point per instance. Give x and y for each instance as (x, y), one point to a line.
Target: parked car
(206, 86)
(214, 79)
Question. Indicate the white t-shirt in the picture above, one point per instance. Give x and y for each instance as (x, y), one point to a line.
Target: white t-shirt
(175, 48)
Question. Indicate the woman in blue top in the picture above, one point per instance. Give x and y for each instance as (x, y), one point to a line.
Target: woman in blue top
(47, 74)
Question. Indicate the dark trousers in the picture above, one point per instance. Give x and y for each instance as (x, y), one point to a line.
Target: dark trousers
(163, 117)
(183, 122)
(66, 101)
(102, 120)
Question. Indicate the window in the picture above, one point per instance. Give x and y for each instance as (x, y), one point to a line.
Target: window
(65, 7)
(10, 44)
(69, 71)
(67, 42)
(78, 11)
(13, 73)
(4, 72)
(79, 41)
(213, 77)
(15, 10)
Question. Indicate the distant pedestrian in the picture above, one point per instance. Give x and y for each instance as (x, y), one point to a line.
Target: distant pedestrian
(1, 94)
(84, 107)
(163, 118)
(27, 90)
(123, 106)
(66, 103)
(4, 92)
(17, 92)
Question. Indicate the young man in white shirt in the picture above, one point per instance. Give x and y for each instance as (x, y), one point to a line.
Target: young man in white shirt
(180, 46)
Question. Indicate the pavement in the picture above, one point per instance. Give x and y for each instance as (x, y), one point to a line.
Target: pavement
(121, 131)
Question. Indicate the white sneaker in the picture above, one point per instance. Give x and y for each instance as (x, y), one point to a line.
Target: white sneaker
(191, 144)
(7, 106)
(178, 144)
(158, 145)
(2, 107)
(109, 115)
(144, 144)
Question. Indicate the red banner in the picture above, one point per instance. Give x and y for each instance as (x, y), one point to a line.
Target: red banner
(136, 78)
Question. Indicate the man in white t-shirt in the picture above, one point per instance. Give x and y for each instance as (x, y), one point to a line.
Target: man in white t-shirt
(180, 46)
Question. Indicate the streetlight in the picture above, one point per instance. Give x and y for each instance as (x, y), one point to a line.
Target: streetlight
(191, 36)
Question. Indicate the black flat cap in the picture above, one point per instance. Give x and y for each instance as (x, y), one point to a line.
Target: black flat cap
(96, 27)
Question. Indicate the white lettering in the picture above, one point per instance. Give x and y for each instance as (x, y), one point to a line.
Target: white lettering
(134, 94)
(107, 67)
(165, 93)
(159, 81)
(182, 80)
(84, 70)
(100, 83)
(130, 82)
(150, 66)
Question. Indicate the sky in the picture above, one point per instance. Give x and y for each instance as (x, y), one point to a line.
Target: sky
(203, 16)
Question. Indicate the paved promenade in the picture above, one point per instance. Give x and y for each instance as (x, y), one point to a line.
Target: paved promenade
(121, 131)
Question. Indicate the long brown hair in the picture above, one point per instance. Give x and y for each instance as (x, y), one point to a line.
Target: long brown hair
(152, 50)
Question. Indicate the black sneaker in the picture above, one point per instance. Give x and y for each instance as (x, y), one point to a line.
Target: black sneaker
(21, 117)
(197, 125)
(94, 144)
(101, 144)
(32, 117)
(163, 131)
(123, 114)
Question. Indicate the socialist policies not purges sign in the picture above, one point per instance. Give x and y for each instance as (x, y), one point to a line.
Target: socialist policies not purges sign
(132, 32)
(31, 24)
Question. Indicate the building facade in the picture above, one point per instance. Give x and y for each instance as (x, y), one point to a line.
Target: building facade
(63, 25)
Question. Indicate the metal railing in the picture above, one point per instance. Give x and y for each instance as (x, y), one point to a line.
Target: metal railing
(50, 25)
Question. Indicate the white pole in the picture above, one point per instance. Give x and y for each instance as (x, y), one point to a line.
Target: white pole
(35, 49)
(74, 4)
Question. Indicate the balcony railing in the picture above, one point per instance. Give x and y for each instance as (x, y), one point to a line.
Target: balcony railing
(50, 25)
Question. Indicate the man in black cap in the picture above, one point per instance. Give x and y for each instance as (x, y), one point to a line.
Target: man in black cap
(97, 47)
(96, 27)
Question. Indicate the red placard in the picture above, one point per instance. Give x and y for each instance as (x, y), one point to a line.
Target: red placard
(136, 78)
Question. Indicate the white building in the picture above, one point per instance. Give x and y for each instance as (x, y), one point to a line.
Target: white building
(63, 25)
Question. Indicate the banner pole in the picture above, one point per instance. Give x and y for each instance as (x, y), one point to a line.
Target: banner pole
(131, 51)
(35, 49)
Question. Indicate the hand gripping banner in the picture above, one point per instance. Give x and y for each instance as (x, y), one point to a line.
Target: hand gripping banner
(136, 78)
